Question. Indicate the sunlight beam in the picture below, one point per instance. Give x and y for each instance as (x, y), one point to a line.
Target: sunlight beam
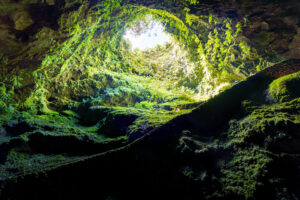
(149, 39)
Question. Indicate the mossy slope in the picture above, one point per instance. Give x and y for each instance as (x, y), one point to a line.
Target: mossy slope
(250, 154)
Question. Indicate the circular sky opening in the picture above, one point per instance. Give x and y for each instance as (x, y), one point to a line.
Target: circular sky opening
(146, 34)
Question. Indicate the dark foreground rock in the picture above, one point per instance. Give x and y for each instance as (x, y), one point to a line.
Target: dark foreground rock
(237, 145)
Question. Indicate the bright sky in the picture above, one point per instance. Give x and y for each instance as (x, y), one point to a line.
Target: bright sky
(149, 39)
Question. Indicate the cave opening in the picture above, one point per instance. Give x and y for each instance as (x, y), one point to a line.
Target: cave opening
(146, 34)
(181, 97)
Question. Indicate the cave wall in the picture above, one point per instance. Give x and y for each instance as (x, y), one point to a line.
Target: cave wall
(256, 121)
(32, 29)
(272, 25)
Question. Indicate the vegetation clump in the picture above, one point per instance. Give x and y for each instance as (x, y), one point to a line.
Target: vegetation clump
(285, 88)
(260, 140)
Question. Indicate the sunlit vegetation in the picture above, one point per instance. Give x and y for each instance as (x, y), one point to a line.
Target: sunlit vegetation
(206, 62)
(285, 88)
(93, 88)
(90, 64)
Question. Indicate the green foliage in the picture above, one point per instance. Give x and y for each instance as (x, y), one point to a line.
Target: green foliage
(251, 139)
(169, 64)
(149, 115)
(243, 174)
(285, 88)
(7, 93)
(3, 60)
(145, 105)
(91, 63)
(82, 49)
(69, 73)
(3, 107)
(226, 57)
(71, 114)
(21, 162)
(224, 51)
(262, 119)
(3, 94)
(37, 102)
(16, 81)
(192, 2)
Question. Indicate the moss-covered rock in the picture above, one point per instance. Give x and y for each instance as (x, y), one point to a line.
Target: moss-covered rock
(203, 116)
(285, 88)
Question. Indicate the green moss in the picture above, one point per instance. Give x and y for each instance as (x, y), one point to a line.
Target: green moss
(243, 175)
(153, 119)
(256, 141)
(129, 77)
(145, 105)
(148, 116)
(285, 88)
(37, 102)
(71, 114)
(259, 124)
(87, 62)
(192, 2)
(57, 125)
(8, 8)
(3, 107)
(19, 163)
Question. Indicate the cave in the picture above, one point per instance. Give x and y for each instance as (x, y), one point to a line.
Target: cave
(169, 99)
